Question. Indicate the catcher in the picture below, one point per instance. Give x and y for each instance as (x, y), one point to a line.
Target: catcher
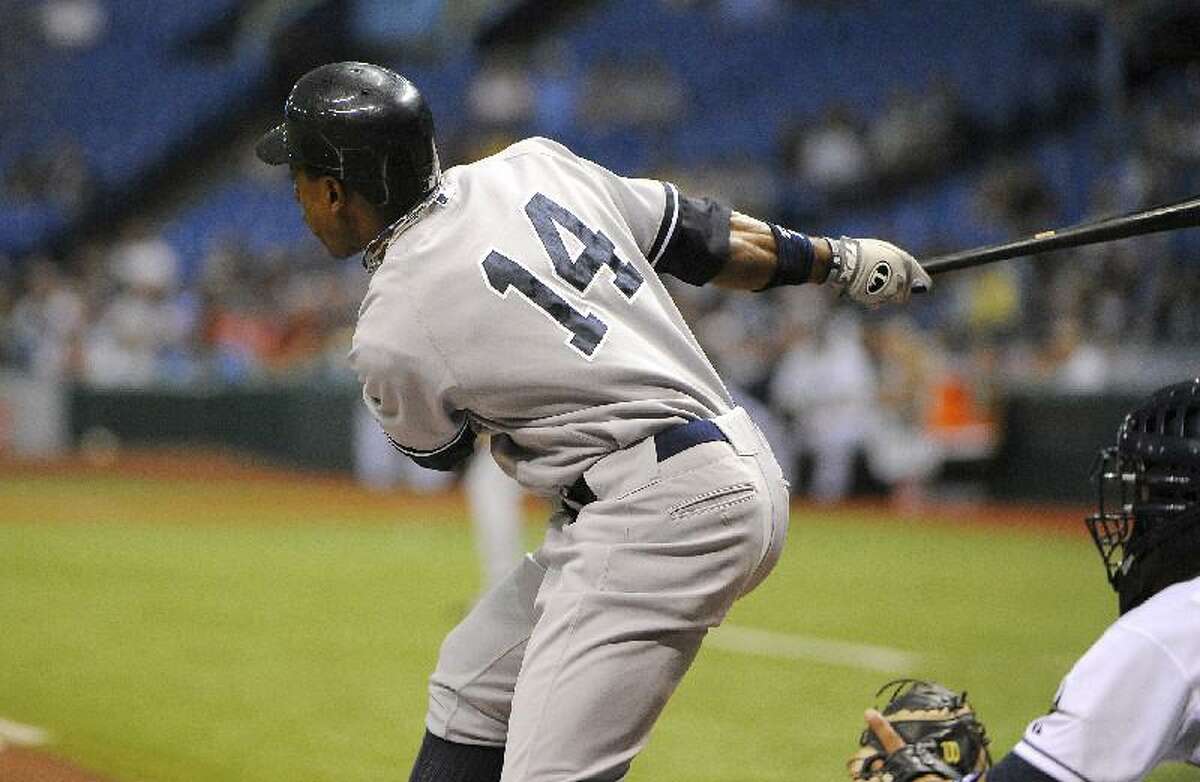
(1132, 702)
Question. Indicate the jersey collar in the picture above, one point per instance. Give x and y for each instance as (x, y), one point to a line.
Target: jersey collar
(376, 250)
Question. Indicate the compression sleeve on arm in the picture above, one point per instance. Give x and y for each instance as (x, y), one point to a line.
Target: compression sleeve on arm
(693, 241)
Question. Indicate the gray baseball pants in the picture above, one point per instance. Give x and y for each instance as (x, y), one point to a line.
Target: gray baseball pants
(569, 660)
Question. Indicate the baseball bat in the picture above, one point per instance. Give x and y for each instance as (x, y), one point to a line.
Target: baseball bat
(1182, 214)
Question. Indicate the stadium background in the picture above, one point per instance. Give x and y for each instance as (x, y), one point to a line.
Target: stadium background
(210, 568)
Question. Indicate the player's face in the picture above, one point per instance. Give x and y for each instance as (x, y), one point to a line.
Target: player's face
(323, 202)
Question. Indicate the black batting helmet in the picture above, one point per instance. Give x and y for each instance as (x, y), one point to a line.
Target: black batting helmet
(363, 124)
(1147, 526)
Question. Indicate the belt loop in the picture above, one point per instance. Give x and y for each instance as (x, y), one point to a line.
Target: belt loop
(741, 431)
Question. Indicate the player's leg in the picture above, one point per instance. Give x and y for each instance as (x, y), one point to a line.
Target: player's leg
(470, 691)
(632, 587)
(494, 502)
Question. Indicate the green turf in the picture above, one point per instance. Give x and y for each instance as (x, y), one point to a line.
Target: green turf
(279, 649)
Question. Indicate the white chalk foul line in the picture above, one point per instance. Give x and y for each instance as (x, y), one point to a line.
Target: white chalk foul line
(788, 646)
(22, 735)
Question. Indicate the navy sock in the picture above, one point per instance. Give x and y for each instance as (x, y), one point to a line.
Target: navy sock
(444, 761)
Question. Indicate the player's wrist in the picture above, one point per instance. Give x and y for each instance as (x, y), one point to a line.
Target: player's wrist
(824, 255)
(798, 258)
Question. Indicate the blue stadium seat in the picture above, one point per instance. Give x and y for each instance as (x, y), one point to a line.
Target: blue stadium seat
(129, 102)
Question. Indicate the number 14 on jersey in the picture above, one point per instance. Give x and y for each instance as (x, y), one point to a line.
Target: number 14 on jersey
(503, 273)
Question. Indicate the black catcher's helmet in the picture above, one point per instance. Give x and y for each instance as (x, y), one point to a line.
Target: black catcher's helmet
(1147, 526)
(363, 124)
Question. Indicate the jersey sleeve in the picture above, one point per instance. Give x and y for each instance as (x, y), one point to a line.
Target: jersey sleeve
(408, 391)
(1116, 713)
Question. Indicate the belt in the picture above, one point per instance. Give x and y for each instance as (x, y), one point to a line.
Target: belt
(667, 443)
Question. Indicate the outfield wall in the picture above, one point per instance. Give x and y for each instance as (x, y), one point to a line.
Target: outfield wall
(301, 426)
(1046, 450)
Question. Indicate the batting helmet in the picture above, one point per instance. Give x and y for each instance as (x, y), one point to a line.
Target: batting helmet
(363, 124)
(1147, 525)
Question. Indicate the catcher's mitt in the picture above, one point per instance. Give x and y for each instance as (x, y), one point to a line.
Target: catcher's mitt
(942, 734)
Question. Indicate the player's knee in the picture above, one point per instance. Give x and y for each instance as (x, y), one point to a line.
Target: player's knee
(471, 689)
(472, 711)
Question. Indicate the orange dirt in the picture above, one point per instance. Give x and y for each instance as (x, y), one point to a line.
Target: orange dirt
(21, 764)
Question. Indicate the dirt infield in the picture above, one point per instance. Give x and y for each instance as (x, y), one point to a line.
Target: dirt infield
(21, 764)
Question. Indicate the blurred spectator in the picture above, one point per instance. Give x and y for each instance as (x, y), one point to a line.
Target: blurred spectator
(141, 336)
(501, 95)
(47, 323)
(1072, 363)
(640, 92)
(1014, 194)
(736, 334)
(825, 382)
(993, 301)
(902, 452)
(73, 24)
(832, 155)
(917, 132)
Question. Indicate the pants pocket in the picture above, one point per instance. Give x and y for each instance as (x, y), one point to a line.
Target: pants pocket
(714, 500)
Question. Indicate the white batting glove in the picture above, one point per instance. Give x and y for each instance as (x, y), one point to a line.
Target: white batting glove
(873, 272)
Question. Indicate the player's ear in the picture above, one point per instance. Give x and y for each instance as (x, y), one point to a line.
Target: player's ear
(333, 192)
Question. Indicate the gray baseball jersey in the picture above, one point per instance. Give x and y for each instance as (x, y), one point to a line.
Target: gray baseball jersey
(1132, 701)
(521, 300)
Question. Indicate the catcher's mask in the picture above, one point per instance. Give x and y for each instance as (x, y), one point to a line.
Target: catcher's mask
(1148, 496)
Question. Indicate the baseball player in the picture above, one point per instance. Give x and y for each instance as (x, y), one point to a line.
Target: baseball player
(1132, 701)
(519, 296)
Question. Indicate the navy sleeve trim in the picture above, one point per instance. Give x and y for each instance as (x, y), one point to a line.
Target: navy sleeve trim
(448, 456)
(666, 229)
(698, 247)
(1014, 768)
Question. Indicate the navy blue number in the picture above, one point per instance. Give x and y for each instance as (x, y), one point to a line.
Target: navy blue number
(598, 249)
(503, 272)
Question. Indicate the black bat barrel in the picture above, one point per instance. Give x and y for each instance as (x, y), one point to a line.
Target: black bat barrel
(1183, 214)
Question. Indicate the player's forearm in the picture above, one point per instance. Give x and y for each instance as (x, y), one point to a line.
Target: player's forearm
(754, 259)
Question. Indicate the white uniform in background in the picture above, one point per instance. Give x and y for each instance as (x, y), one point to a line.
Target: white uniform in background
(494, 503)
(522, 301)
(1131, 702)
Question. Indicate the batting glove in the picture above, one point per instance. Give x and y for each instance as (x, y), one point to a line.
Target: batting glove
(873, 272)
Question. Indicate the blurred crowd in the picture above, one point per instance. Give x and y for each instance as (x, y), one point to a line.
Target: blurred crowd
(120, 315)
(889, 395)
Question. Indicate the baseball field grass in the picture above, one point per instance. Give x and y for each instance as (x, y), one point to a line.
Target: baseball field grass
(215, 627)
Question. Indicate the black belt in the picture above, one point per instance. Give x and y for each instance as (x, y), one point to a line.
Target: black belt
(667, 443)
